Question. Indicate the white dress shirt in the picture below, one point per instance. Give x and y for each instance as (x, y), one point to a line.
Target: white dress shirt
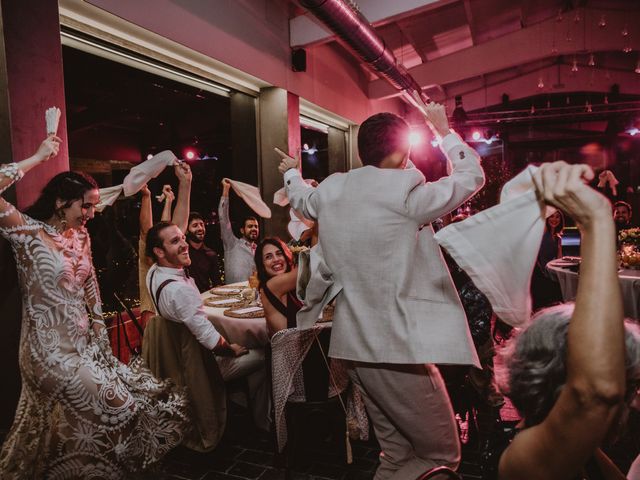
(180, 302)
(238, 252)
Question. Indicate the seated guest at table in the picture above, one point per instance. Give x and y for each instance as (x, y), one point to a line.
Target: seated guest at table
(177, 299)
(205, 268)
(568, 374)
(238, 252)
(622, 215)
(277, 275)
(545, 290)
(183, 173)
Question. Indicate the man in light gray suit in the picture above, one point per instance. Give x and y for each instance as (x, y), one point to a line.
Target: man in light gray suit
(397, 312)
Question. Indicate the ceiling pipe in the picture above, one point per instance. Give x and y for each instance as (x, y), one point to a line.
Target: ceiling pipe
(356, 33)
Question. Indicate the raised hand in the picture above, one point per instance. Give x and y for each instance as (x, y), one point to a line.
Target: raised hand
(564, 186)
(287, 161)
(48, 148)
(226, 185)
(436, 116)
(183, 172)
(145, 191)
(169, 196)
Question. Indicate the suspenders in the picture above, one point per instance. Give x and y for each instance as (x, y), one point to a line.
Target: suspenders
(156, 297)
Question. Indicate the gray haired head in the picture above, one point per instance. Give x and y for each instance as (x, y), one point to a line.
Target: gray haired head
(535, 362)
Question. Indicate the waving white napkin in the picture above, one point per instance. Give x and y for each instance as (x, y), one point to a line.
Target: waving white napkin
(498, 247)
(251, 196)
(136, 178)
(280, 197)
(298, 224)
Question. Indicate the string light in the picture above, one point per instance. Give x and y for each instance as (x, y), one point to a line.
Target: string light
(592, 60)
(574, 65)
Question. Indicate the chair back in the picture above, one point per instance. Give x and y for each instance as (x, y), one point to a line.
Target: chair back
(172, 351)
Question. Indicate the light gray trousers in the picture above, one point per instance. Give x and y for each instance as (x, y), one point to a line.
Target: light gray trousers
(412, 417)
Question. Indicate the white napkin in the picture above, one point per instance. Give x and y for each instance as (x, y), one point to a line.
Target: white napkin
(498, 247)
(52, 119)
(251, 196)
(145, 171)
(298, 224)
(280, 197)
(108, 197)
(136, 178)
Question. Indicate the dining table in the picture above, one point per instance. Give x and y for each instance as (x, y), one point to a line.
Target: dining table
(248, 332)
(567, 271)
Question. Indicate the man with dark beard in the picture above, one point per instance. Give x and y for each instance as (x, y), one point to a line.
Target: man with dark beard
(238, 252)
(205, 268)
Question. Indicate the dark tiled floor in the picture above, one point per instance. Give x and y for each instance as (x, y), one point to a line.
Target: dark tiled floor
(247, 454)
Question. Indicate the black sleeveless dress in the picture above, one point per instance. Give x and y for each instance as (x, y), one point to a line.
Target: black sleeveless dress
(314, 369)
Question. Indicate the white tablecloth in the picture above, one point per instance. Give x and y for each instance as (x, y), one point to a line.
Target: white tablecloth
(629, 282)
(248, 332)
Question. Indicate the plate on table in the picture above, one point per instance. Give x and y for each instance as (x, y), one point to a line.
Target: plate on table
(245, 312)
(226, 291)
(566, 262)
(223, 302)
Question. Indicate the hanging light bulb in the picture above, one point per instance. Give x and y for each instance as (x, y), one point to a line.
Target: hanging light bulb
(574, 65)
(627, 49)
(576, 17)
(548, 103)
(559, 18)
(592, 60)
(587, 107)
(603, 21)
(606, 99)
(540, 83)
(637, 70)
(533, 110)
(625, 31)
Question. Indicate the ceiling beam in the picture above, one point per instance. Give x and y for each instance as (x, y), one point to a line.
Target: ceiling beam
(556, 78)
(523, 46)
(469, 14)
(305, 30)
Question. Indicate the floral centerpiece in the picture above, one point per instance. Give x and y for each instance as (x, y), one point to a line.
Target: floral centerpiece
(629, 248)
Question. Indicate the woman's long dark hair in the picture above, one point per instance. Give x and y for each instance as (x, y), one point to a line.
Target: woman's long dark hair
(557, 231)
(263, 276)
(65, 186)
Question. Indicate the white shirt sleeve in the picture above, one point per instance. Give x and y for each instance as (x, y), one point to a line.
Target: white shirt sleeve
(183, 304)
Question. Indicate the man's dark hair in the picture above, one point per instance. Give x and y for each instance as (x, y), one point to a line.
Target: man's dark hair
(194, 216)
(154, 240)
(380, 135)
(246, 219)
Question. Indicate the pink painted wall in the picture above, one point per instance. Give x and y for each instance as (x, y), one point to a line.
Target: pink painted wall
(253, 36)
(34, 69)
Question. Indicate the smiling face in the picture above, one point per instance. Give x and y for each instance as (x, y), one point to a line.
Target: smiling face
(175, 249)
(197, 230)
(250, 230)
(621, 215)
(82, 210)
(554, 220)
(274, 260)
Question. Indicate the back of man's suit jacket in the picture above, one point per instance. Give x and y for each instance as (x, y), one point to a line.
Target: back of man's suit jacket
(397, 304)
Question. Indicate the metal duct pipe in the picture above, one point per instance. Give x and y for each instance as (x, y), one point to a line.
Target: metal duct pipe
(358, 35)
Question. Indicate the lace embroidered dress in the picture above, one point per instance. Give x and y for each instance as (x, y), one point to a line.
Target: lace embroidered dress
(82, 413)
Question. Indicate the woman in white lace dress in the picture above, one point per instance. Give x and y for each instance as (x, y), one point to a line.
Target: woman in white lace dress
(82, 413)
